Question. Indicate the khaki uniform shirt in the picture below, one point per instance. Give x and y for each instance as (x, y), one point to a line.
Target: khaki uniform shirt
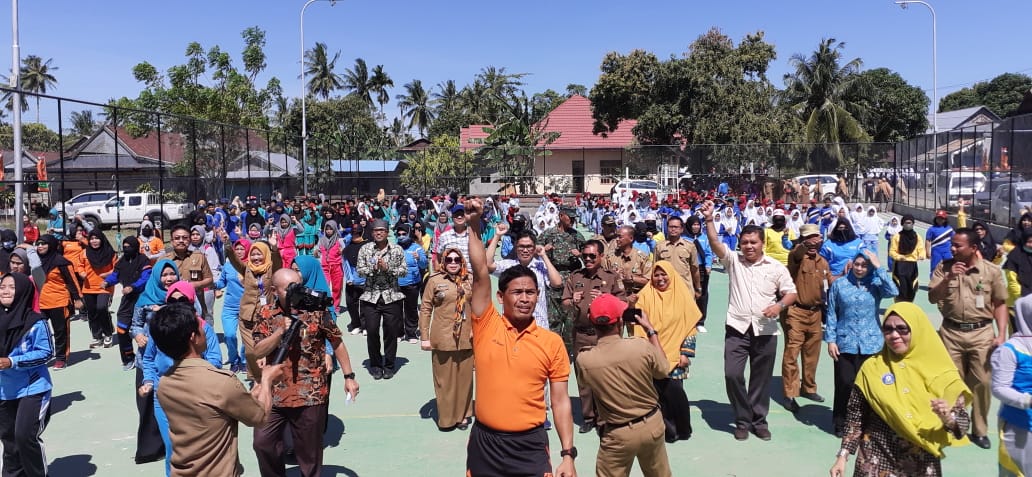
(437, 314)
(579, 281)
(610, 245)
(683, 255)
(982, 285)
(193, 268)
(619, 372)
(204, 405)
(810, 275)
(630, 265)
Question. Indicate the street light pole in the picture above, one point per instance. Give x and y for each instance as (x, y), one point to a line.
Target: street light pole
(304, 94)
(19, 201)
(935, 81)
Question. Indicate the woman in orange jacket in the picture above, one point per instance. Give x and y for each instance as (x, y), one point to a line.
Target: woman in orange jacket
(56, 293)
(94, 266)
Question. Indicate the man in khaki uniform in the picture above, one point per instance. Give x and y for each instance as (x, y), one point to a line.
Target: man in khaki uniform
(193, 266)
(682, 254)
(581, 289)
(802, 321)
(971, 293)
(204, 404)
(631, 265)
(621, 373)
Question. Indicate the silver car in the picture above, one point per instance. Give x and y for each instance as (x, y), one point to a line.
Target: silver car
(1009, 201)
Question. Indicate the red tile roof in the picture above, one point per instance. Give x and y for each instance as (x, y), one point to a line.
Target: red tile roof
(173, 145)
(573, 119)
(472, 136)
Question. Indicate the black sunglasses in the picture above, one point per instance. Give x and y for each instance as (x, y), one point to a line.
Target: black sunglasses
(452, 259)
(589, 256)
(903, 330)
(182, 299)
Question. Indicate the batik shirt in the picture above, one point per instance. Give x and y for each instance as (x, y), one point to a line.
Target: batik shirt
(381, 284)
(305, 381)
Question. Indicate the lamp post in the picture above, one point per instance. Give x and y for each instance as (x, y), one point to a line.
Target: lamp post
(19, 201)
(935, 81)
(304, 94)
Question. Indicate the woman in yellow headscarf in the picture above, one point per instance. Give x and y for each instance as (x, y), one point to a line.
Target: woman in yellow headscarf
(671, 307)
(262, 261)
(908, 403)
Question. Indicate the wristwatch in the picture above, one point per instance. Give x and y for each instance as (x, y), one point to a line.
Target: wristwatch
(651, 333)
(572, 452)
(350, 375)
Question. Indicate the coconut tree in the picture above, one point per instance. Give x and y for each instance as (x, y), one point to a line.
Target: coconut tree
(36, 77)
(379, 84)
(357, 81)
(446, 97)
(415, 106)
(319, 69)
(83, 123)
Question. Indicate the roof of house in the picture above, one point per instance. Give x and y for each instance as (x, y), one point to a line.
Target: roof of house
(573, 121)
(368, 165)
(417, 145)
(28, 160)
(172, 146)
(960, 118)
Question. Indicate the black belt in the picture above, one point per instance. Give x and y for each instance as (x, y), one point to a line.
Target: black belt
(590, 331)
(808, 308)
(956, 325)
(632, 421)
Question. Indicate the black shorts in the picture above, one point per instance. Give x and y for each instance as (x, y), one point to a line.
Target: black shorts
(492, 453)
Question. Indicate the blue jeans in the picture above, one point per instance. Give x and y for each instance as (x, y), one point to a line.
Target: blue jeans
(230, 322)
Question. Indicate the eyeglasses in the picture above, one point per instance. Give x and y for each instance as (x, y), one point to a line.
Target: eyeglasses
(181, 237)
(903, 330)
(589, 256)
(182, 299)
(452, 259)
(525, 247)
(459, 215)
(40, 242)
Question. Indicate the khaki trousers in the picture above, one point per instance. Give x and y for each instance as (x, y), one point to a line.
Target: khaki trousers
(970, 351)
(581, 340)
(802, 335)
(642, 440)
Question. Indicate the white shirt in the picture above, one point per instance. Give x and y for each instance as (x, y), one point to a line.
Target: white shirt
(538, 266)
(754, 287)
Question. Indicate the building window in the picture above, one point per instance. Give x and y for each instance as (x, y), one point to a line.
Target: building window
(475, 140)
(609, 171)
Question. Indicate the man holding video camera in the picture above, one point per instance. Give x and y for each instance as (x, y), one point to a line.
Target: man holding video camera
(620, 372)
(301, 399)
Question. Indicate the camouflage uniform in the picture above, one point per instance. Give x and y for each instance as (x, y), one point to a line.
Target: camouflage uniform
(564, 243)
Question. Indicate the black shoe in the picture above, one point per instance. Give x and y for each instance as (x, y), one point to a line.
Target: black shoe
(792, 406)
(981, 441)
(586, 427)
(741, 433)
(462, 426)
(377, 373)
(813, 397)
(388, 373)
(763, 433)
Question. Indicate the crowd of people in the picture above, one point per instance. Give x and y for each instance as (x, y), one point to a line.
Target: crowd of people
(574, 275)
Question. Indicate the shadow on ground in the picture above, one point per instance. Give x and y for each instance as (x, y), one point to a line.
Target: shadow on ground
(82, 355)
(334, 431)
(810, 413)
(429, 410)
(327, 471)
(718, 415)
(64, 401)
(73, 466)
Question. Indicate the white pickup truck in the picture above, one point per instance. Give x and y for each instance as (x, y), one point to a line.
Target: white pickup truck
(133, 208)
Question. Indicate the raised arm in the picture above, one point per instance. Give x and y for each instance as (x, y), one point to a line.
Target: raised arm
(481, 298)
(719, 250)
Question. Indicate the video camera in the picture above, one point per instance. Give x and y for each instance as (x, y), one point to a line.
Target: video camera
(299, 297)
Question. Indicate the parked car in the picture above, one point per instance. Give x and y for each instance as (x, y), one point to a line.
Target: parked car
(1009, 201)
(133, 208)
(642, 186)
(87, 199)
(828, 184)
(954, 185)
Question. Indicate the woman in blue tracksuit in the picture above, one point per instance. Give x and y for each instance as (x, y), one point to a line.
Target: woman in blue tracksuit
(25, 384)
(842, 245)
(156, 363)
(230, 286)
(938, 239)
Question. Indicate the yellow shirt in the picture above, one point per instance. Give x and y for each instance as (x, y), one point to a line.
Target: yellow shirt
(772, 246)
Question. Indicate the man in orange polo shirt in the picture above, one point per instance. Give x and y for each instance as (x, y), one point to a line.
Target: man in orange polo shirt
(515, 358)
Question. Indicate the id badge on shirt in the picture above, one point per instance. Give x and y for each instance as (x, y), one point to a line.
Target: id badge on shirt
(980, 300)
(262, 300)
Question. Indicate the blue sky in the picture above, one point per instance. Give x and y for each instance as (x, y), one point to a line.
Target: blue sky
(95, 44)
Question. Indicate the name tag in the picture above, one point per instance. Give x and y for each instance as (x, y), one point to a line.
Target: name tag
(980, 300)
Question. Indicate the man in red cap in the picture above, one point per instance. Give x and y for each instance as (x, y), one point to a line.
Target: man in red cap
(620, 372)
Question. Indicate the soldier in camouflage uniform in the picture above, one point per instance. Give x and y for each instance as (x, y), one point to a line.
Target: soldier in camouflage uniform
(562, 243)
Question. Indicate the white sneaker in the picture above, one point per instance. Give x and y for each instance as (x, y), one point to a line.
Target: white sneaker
(364, 332)
(357, 331)
(413, 341)
(702, 329)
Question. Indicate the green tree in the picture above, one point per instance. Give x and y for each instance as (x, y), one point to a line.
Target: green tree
(415, 106)
(1002, 94)
(35, 137)
(446, 97)
(821, 91)
(380, 82)
(358, 82)
(37, 77)
(578, 89)
(892, 110)
(83, 123)
(319, 69)
(514, 142)
(543, 103)
(441, 166)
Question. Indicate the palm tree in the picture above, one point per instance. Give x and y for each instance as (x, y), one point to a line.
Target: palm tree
(36, 77)
(8, 97)
(319, 68)
(379, 84)
(817, 92)
(358, 83)
(415, 106)
(83, 123)
(447, 96)
(474, 100)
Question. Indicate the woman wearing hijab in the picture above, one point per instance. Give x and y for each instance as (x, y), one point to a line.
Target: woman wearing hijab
(99, 261)
(892, 227)
(729, 225)
(871, 225)
(150, 446)
(25, 385)
(986, 245)
(1015, 236)
(670, 304)
(852, 330)
(155, 363)
(8, 243)
(905, 249)
(446, 332)
(908, 402)
(200, 242)
(309, 236)
(330, 255)
(842, 245)
(58, 290)
(1012, 385)
(261, 263)
(132, 272)
(230, 285)
(284, 237)
(18, 262)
